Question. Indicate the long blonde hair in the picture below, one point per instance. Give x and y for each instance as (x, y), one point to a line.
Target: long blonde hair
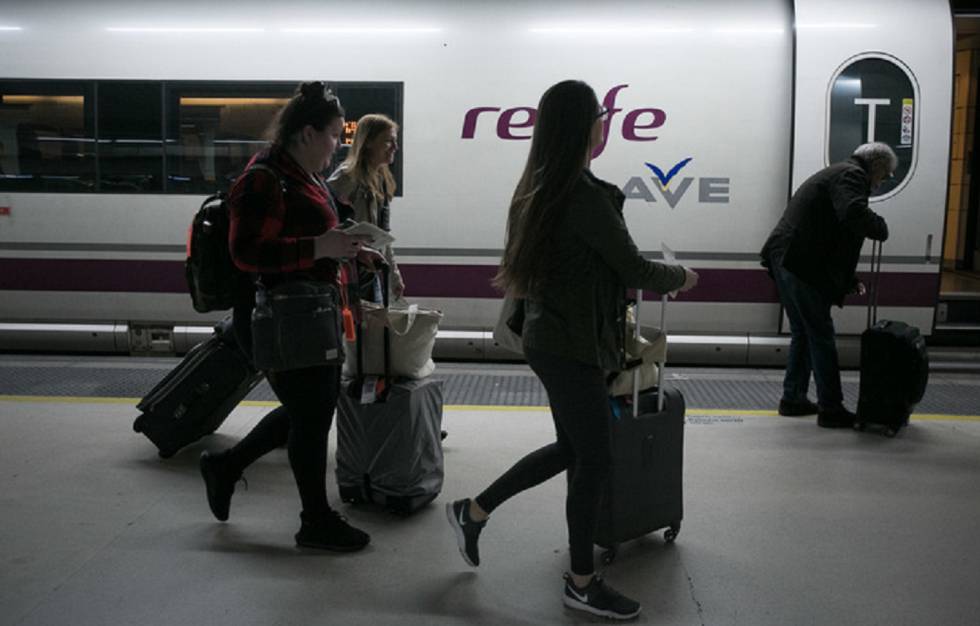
(379, 182)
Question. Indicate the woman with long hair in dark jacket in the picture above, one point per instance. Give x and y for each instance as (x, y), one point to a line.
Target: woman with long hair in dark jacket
(569, 259)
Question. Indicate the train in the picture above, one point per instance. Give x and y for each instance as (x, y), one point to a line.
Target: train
(118, 118)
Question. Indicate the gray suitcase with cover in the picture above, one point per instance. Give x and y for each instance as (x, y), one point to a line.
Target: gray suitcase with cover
(389, 451)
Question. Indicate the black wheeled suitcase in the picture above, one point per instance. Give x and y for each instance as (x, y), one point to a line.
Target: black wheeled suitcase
(894, 366)
(389, 448)
(644, 491)
(196, 396)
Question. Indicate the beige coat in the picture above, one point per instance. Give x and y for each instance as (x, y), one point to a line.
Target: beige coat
(366, 209)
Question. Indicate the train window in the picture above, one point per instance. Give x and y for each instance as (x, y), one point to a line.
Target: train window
(47, 141)
(874, 98)
(130, 136)
(152, 136)
(214, 128)
(363, 98)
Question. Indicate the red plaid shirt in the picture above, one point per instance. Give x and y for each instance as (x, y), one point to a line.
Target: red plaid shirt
(274, 222)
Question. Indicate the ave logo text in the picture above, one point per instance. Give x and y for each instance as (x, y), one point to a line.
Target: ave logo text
(670, 186)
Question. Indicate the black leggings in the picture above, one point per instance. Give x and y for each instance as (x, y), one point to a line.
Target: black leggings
(580, 407)
(309, 398)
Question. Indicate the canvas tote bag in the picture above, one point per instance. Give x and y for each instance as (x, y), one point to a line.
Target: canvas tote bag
(412, 330)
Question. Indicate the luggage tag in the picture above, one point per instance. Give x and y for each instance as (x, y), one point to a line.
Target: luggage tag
(350, 333)
(369, 394)
(615, 408)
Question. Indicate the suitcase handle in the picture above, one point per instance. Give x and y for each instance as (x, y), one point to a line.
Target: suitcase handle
(386, 336)
(660, 365)
(877, 251)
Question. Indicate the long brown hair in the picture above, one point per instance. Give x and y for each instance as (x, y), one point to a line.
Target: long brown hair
(312, 104)
(379, 181)
(559, 147)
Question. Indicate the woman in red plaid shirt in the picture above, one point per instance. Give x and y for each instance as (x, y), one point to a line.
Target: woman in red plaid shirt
(283, 221)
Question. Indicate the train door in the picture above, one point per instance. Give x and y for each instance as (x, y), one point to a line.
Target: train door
(958, 311)
(860, 77)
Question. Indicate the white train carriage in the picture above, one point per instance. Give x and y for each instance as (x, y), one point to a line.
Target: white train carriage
(118, 117)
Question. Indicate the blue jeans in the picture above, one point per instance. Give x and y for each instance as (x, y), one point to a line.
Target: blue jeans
(812, 346)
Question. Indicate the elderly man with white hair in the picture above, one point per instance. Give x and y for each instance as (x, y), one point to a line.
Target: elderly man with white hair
(812, 254)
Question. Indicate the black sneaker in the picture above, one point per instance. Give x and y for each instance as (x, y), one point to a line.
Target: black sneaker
(599, 598)
(218, 483)
(331, 533)
(838, 417)
(467, 530)
(796, 409)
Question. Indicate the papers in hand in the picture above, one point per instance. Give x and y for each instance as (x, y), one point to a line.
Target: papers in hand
(379, 238)
(670, 259)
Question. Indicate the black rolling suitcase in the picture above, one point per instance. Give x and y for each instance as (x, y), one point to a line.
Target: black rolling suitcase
(389, 448)
(196, 396)
(894, 366)
(644, 492)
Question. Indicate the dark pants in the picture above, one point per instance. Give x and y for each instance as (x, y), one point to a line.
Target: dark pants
(302, 423)
(812, 345)
(580, 407)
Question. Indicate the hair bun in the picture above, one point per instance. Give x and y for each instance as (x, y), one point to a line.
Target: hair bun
(312, 90)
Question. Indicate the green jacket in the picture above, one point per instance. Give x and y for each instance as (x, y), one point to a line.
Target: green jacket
(577, 310)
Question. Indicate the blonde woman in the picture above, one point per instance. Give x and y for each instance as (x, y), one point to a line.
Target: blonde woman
(364, 183)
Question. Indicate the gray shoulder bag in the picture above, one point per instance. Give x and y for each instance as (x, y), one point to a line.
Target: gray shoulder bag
(296, 324)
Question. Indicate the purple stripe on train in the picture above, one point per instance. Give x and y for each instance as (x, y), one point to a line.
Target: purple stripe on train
(435, 281)
(109, 275)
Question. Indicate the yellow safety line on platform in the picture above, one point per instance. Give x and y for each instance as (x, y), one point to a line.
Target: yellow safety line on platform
(97, 400)
(490, 407)
(936, 417)
(70, 399)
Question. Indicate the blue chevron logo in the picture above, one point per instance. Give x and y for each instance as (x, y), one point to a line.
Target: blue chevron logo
(665, 178)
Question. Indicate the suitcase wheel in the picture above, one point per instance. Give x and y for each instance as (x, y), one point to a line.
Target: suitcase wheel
(166, 453)
(351, 494)
(889, 431)
(608, 556)
(671, 533)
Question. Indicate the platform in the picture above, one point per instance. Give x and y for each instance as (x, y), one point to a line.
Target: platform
(785, 523)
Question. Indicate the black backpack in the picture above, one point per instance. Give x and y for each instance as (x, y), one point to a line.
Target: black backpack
(213, 279)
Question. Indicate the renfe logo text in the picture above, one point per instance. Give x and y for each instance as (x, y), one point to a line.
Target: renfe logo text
(517, 122)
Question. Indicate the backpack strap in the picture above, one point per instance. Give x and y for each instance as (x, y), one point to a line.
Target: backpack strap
(266, 168)
(256, 279)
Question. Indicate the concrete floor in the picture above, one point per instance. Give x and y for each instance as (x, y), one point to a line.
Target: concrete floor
(785, 524)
